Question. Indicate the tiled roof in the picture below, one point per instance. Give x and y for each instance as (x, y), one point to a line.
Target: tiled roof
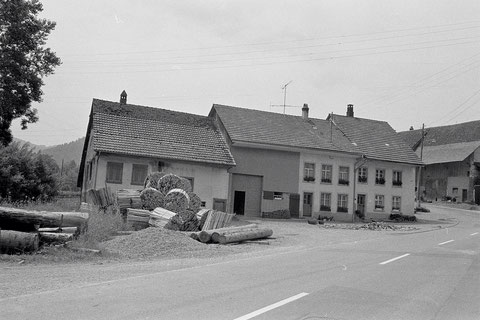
(376, 139)
(255, 126)
(457, 133)
(453, 152)
(153, 132)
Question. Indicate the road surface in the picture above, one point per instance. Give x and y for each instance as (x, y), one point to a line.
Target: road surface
(424, 275)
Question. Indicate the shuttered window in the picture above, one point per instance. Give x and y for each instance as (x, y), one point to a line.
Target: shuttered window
(139, 173)
(114, 172)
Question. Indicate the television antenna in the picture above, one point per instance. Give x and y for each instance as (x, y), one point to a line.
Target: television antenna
(284, 105)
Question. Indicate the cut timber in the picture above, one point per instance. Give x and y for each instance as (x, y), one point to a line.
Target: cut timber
(18, 242)
(12, 217)
(160, 217)
(246, 235)
(52, 237)
(71, 230)
(212, 235)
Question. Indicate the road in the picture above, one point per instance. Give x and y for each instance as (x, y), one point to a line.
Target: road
(424, 275)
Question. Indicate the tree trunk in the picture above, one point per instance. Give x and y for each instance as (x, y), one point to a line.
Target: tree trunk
(246, 235)
(13, 218)
(18, 242)
(212, 235)
(52, 237)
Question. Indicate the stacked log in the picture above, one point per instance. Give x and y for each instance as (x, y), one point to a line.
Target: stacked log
(54, 237)
(15, 219)
(160, 217)
(151, 198)
(186, 221)
(177, 200)
(171, 181)
(128, 198)
(217, 219)
(138, 218)
(232, 234)
(12, 242)
(100, 197)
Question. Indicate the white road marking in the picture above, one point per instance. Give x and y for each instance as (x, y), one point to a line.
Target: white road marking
(272, 306)
(474, 233)
(391, 260)
(445, 242)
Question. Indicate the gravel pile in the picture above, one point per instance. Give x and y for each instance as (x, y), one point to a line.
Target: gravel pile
(375, 226)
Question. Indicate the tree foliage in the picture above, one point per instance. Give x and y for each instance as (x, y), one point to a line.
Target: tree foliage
(26, 174)
(24, 61)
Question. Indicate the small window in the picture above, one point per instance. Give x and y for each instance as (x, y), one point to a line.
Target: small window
(397, 178)
(326, 173)
(379, 202)
(203, 204)
(396, 203)
(114, 172)
(380, 176)
(309, 172)
(343, 175)
(139, 173)
(325, 201)
(268, 195)
(362, 175)
(278, 196)
(342, 203)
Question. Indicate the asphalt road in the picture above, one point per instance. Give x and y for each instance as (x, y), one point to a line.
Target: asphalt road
(424, 275)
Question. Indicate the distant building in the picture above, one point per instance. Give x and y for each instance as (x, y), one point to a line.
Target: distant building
(125, 142)
(316, 167)
(452, 160)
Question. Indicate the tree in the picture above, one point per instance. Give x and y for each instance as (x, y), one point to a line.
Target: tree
(26, 174)
(24, 61)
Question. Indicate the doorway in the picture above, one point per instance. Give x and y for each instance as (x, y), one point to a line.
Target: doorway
(464, 195)
(307, 204)
(239, 202)
(361, 203)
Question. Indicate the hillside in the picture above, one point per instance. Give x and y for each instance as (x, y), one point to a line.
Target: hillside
(67, 151)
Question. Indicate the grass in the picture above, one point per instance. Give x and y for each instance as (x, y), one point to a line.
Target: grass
(101, 226)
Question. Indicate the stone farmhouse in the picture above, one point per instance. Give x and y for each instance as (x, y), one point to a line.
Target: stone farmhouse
(452, 161)
(252, 162)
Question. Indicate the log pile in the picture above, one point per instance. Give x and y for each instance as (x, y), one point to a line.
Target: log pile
(232, 234)
(23, 231)
(100, 197)
(128, 198)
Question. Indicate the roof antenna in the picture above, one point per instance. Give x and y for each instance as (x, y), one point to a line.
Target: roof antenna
(331, 127)
(284, 88)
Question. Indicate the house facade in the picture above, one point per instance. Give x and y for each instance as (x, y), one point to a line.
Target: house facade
(452, 161)
(314, 167)
(126, 142)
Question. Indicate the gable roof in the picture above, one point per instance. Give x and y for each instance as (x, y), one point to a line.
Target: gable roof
(376, 139)
(152, 132)
(453, 152)
(268, 128)
(351, 135)
(435, 136)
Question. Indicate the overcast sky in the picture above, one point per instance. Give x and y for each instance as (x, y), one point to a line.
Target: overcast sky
(404, 62)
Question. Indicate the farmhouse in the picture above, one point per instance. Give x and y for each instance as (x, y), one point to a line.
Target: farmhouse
(315, 167)
(452, 161)
(125, 142)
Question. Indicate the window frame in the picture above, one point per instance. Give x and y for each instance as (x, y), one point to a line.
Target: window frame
(342, 198)
(308, 173)
(326, 173)
(379, 202)
(397, 181)
(111, 166)
(362, 176)
(380, 178)
(324, 196)
(342, 180)
(138, 183)
(399, 203)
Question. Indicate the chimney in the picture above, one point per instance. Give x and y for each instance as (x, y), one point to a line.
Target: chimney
(305, 111)
(350, 110)
(123, 97)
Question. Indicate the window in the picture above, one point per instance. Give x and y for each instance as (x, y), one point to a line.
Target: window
(343, 175)
(326, 173)
(114, 172)
(362, 175)
(397, 178)
(379, 202)
(309, 172)
(268, 195)
(325, 201)
(396, 203)
(342, 203)
(278, 196)
(379, 176)
(139, 173)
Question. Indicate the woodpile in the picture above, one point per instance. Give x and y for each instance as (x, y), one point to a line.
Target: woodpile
(100, 197)
(152, 198)
(23, 231)
(232, 234)
(128, 198)
(217, 219)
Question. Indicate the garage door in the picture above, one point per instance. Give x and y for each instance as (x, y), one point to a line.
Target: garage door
(248, 190)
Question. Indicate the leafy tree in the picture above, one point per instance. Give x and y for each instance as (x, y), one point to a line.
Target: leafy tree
(26, 175)
(24, 61)
(68, 177)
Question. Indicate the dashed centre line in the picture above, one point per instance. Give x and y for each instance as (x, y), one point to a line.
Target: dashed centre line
(474, 233)
(441, 243)
(394, 259)
(272, 306)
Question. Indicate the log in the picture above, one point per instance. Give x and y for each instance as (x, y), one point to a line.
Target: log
(18, 242)
(247, 235)
(13, 217)
(160, 217)
(216, 234)
(70, 230)
(206, 236)
(54, 238)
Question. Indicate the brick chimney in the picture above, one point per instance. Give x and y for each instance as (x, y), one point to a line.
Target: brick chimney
(350, 110)
(123, 97)
(305, 111)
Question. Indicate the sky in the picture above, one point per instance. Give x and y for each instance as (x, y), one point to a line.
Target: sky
(405, 62)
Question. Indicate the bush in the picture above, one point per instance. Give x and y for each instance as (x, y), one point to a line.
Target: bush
(398, 217)
(277, 214)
